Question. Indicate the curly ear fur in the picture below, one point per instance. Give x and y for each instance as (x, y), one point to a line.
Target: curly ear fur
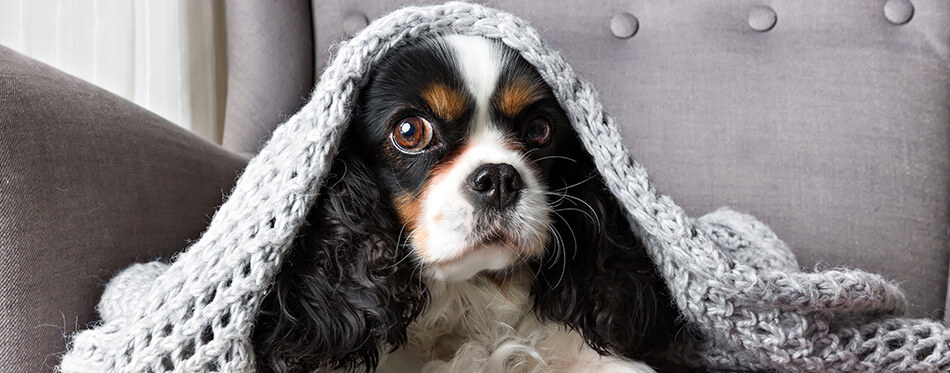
(346, 289)
(597, 278)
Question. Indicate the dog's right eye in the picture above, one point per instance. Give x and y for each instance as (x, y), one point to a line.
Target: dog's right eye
(412, 134)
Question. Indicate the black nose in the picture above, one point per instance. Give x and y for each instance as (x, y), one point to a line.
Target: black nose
(496, 185)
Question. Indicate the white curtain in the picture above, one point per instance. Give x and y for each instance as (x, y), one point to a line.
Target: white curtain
(165, 55)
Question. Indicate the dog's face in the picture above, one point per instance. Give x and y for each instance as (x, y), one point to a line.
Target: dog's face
(458, 128)
(460, 149)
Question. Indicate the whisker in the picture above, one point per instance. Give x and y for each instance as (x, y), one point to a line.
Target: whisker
(591, 177)
(555, 157)
(340, 179)
(559, 200)
(593, 214)
(404, 257)
(564, 247)
(558, 244)
(588, 215)
(573, 235)
(392, 169)
(399, 242)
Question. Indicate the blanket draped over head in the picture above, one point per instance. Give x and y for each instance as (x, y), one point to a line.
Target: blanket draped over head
(735, 284)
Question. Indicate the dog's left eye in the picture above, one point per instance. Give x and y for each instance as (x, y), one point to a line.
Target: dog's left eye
(412, 134)
(538, 131)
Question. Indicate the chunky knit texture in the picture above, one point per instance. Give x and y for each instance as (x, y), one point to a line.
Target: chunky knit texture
(734, 282)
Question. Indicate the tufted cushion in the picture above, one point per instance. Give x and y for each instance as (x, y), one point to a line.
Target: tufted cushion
(831, 124)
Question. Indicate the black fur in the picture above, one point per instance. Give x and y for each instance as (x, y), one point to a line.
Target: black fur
(600, 280)
(346, 290)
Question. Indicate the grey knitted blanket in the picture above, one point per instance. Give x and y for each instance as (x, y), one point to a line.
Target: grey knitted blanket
(734, 282)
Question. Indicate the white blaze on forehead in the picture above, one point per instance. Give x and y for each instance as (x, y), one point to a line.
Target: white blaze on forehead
(480, 63)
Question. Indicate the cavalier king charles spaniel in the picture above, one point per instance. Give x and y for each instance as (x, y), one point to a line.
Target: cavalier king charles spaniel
(463, 222)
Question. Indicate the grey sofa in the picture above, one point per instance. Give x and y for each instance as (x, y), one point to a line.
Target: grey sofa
(828, 120)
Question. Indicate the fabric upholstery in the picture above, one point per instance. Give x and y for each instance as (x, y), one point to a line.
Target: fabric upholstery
(832, 126)
(89, 183)
(270, 68)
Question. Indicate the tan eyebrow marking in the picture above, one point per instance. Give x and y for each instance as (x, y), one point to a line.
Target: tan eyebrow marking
(518, 95)
(448, 103)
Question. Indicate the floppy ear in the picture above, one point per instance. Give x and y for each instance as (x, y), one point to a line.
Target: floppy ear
(346, 289)
(596, 276)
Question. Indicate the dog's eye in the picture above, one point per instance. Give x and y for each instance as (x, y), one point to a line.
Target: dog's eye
(538, 131)
(412, 134)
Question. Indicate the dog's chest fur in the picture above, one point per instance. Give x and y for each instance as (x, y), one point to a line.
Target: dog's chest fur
(473, 310)
(485, 324)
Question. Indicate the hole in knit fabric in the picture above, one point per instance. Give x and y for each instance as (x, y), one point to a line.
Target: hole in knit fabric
(225, 319)
(167, 363)
(188, 350)
(207, 334)
(271, 222)
(895, 343)
(924, 352)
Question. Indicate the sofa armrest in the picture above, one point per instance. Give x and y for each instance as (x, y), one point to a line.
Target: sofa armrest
(89, 183)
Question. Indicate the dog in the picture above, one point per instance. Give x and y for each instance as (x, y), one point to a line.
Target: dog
(463, 222)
